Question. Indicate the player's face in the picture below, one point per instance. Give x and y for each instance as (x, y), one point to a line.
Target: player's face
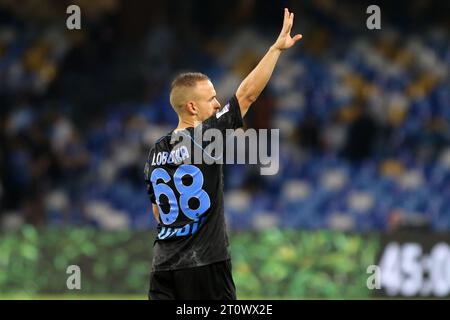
(206, 101)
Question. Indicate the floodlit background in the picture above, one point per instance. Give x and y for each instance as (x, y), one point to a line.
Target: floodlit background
(364, 158)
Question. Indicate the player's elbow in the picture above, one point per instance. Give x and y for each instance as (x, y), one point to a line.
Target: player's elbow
(155, 212)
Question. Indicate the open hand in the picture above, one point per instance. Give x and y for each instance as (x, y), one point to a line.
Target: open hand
(285, 41)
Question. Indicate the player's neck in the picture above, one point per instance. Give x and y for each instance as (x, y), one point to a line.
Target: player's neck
(187, 123)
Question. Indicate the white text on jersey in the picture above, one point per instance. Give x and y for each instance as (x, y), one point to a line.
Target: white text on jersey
(175, 156)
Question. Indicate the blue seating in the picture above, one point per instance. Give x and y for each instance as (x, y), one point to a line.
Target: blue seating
(326, 85)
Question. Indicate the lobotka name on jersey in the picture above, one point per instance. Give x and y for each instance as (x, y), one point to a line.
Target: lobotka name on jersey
(175, 156)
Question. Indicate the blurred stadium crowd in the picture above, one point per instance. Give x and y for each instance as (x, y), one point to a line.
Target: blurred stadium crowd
(363, 115)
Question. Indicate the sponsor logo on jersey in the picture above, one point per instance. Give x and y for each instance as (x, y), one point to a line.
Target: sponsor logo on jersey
(223, 111)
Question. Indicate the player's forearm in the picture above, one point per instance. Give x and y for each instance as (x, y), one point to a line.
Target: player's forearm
(256, 81)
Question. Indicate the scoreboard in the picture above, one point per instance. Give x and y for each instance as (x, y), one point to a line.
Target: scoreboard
(414, 264)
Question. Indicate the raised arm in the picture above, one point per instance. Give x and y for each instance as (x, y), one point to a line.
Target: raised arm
(256, 81)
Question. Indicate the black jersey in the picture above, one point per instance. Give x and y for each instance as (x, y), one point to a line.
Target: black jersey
(189, 195)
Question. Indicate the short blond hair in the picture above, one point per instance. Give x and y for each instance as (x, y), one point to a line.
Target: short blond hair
(181, 88)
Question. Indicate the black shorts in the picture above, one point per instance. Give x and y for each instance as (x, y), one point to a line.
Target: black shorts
(209, 282)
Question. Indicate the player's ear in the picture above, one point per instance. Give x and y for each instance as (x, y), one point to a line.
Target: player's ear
(191, 108)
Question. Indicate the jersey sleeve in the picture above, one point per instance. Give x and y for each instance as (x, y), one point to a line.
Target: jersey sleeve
(229, 117)
(150, 191)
